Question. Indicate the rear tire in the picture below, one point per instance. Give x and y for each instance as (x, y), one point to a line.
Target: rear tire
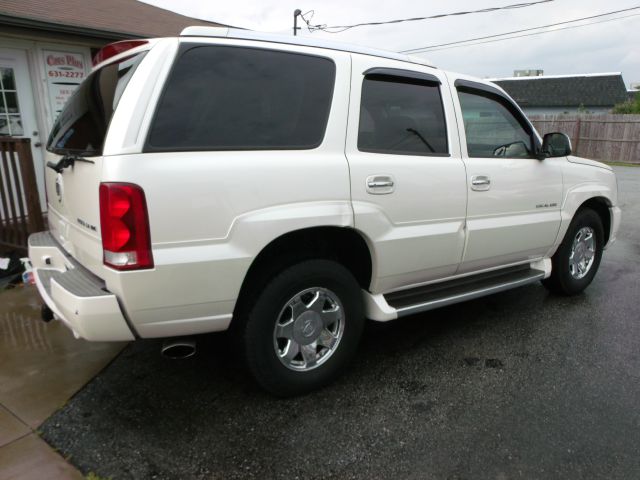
(303, 328)
(577, 259)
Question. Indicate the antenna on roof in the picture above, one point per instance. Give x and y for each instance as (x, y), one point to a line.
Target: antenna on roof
(296, 13)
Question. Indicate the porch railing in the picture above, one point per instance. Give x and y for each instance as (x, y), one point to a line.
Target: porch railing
(20, 212)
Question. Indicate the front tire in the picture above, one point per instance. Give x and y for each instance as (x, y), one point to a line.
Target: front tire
(304, 327)
(577, 259)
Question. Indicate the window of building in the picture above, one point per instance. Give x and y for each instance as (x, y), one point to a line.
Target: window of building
(233, 98)
(492, 128)
(401, 116)
(10, 119)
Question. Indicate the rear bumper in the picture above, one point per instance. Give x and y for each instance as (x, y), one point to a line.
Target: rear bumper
(74, 294)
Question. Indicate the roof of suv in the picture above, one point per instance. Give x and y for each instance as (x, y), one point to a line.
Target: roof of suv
(295, 40)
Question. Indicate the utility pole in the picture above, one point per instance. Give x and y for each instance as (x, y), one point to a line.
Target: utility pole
(297, 12)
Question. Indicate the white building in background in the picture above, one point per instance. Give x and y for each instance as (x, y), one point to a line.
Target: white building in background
(46, 50)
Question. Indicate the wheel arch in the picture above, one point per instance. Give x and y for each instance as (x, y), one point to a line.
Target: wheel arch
(344, 244)
(601, 206)
(600, 195)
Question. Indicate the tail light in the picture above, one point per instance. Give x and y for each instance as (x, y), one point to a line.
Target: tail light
(124, 223)
(116, 48)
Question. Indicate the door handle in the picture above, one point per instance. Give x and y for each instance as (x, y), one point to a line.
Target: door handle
(380, 184)
(480, 183)
(388, 183)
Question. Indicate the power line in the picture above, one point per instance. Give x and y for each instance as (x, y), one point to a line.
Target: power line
(419, 49)
(528, 34)
(342, 28)
(535, 33)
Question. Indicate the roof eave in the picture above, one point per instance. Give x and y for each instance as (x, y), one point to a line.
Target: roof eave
(36, 24)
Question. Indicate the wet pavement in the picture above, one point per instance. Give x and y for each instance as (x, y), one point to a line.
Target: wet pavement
(522, 384)
(41, 367)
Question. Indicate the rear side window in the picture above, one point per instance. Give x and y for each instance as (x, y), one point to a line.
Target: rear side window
(234, 98)
(82, 125)
(401, 116)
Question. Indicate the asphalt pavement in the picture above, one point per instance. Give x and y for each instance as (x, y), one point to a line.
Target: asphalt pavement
(522, 384)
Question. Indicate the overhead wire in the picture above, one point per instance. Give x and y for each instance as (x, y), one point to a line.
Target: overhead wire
(495, 37)
(535, 33)
(341, 28)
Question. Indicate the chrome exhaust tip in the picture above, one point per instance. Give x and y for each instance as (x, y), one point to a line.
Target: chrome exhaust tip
(179, 348)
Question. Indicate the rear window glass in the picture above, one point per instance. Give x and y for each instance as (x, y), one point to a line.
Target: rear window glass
(82, 125)
(234, 98)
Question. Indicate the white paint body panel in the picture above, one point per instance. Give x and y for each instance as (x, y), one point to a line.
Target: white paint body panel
(426, 211)
(505, 223)
(212, 213)
(517, 217)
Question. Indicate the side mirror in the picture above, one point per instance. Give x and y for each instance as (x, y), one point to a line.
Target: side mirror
(555, 145)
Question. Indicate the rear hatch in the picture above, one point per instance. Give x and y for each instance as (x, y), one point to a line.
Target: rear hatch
(74, 161)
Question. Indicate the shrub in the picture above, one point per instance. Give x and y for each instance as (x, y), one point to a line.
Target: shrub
(630, 106)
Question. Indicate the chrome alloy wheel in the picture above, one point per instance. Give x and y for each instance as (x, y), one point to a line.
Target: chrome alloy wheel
(309, 329)
(583, 252)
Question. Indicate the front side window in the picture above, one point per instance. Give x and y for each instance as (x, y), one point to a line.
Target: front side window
(401, 116)
(235, 98)
(491, 128)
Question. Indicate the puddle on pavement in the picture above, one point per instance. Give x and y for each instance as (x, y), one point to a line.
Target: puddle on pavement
(20, 324)
(41, 364)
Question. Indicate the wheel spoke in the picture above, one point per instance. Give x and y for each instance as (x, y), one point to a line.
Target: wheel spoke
(285, 330)
(329, 317)
(317, 304)
(327, 339)
(573, 265)
(297, 308)
(292, 349)
(309, 354)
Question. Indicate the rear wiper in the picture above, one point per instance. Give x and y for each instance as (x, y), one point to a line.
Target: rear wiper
(66, 161)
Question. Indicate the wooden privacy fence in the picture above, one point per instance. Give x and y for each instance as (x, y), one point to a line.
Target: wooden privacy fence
(20, 212)
(611, 138)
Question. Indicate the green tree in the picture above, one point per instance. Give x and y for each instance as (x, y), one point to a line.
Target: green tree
(630, 106)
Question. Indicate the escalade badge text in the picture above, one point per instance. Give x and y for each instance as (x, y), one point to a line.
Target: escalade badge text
(86, 224)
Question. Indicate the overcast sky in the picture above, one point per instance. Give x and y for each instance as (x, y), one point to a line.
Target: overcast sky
(612, 46)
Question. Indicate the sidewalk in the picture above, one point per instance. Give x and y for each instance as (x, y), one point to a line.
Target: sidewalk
(41, 367)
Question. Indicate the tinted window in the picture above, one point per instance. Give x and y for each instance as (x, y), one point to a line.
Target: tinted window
(401, 116)
(492, 129)
(82, 125)
(231, 98)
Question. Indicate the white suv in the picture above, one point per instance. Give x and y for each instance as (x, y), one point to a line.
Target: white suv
(286, 189)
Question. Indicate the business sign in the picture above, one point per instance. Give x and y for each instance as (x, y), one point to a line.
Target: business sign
(64, 73)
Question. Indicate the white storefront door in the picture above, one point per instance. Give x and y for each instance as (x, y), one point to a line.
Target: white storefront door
(17, 109)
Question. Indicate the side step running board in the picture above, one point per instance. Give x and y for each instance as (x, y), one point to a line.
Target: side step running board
(429, 297)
